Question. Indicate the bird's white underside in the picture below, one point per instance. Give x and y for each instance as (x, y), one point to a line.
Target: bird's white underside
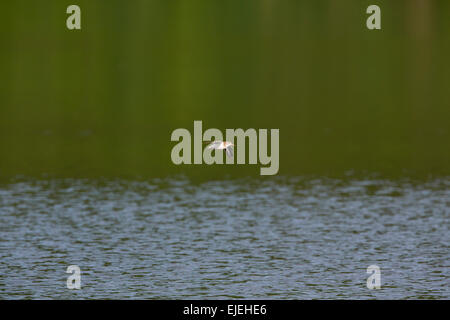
(219, 145)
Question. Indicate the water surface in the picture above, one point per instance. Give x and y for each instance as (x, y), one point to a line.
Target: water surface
(284, 238)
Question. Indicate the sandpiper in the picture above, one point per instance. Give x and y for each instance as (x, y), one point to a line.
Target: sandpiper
(218, 144)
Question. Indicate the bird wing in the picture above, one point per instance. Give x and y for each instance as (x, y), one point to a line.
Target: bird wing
(214, 145)
(229, 151)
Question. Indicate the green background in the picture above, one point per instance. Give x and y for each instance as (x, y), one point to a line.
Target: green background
(103, 101)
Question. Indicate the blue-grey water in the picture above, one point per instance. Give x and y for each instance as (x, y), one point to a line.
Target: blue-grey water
(285, 238)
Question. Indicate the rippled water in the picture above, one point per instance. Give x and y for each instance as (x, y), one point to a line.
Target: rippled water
(299, 238)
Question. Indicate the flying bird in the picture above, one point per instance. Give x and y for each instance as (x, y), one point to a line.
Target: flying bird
(228, 146)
